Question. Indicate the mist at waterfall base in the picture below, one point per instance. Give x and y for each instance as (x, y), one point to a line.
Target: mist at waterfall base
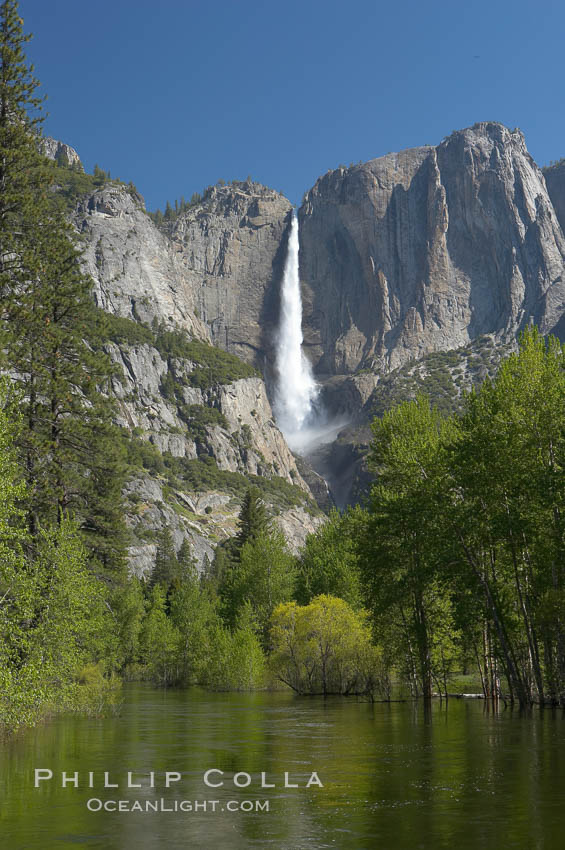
(297, 406)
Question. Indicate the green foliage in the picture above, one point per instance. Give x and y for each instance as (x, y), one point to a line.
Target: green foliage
(54, 620)
(203, 473)
(159, 641)
(554, 164)
(462, 550)
(98, 695)
(66, 443)
(68, 185)
(211, 365)
(198, 417)
(193, 645)
(141, 454)
(64, 631)
(442, 377)
(398, 556)
(194, 613)
(325, 648)
(129, 612)
(508, 467)
(167, 568)
(254, 569)
(124, 331)
(253, 518)
(172, 213)
(237, 662)
(328, 564)
(59, 452)
(246, 436)
(261, 573)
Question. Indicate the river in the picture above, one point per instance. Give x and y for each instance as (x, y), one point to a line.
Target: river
(394, 777)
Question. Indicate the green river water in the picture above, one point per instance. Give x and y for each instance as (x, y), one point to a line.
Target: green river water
(394, 777)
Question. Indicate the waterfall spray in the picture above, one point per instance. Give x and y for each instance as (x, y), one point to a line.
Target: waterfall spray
(296, 389)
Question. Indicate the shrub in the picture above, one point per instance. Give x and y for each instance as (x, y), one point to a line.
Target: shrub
(325, 648)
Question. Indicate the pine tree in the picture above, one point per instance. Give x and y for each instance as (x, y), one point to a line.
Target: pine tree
(186, 564)
(21, 172)
(263, 577)
(253, 518)
(53, 613)
(68, 445)
(166, 569)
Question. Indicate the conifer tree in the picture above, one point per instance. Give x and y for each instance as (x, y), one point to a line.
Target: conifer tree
(253, 518)
(166, 564)
(48, 328)
(186, 563)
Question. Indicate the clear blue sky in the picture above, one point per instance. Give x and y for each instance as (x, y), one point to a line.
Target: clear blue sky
(178, 94)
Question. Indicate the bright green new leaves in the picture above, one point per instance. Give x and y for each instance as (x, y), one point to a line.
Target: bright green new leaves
(462, 555)
(236, 662)
(53, 622)
(159, 641)
(193, 645)
(325, 648)
(507, 472)
(399, 551)
(54, 617)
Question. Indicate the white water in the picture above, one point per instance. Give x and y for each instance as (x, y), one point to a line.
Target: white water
(296, 390)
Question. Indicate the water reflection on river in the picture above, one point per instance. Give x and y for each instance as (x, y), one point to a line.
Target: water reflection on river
(394, 777)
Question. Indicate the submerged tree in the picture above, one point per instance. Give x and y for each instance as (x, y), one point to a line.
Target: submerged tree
(507, 515)
(464, 546)
(326, 648)
(400, 551)
(54, 617)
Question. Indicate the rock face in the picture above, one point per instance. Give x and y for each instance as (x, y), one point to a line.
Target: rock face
(136, 273)
(200, 502)
(214, 271)
(247, 441)
(427, 249)
(408, 255)
(443, 376)
(411, 253)
(232, 248)
(555, 182)
(60, 152)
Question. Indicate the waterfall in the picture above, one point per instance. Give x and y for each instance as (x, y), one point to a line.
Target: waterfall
(296, 390)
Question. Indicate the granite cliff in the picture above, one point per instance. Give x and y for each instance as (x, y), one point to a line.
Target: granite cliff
(63, 154)
(200, 421)
(427, 249)
(232, 248)
(201, 431)
(555, 182)
(431, 250)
